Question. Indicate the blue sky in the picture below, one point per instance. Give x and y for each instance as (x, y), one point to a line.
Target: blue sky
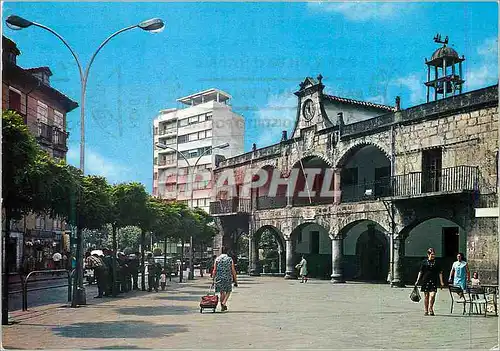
(257, 52)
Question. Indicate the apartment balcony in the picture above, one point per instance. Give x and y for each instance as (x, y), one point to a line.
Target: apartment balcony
(44, 133)
(167, 163)
(167, 132)
(230, 207)
(60, 139)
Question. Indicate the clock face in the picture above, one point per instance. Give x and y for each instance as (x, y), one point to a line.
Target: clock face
(308, 110)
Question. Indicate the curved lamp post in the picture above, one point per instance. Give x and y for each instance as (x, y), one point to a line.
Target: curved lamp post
(153, 25)
(163, 146)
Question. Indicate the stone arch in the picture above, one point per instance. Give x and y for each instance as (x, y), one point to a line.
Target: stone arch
(309, 155)
(311, 239)
(366, 250)
(275, 230)
(350, 150)
(344, 224)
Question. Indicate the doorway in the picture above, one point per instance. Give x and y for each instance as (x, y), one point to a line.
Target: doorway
(431, 170)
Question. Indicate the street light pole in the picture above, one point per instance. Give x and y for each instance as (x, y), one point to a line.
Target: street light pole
(18, 23)
(163, 146)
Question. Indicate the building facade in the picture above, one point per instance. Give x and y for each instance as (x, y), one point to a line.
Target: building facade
(44, 109)
(401, 181)
(206, 122)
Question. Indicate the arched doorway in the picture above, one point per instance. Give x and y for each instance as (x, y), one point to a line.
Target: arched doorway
(445, 236)
(316, 193)
(366, 252)
(365, 173)
(313, 242)
(270, 250)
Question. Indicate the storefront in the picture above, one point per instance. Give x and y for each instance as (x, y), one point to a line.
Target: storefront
(41, 245)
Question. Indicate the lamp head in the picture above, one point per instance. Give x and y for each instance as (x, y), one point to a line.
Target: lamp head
(153, 25)
(160, 145)
(17, 23)
(222, 146)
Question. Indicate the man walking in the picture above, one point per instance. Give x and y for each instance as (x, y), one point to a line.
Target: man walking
(100, 272)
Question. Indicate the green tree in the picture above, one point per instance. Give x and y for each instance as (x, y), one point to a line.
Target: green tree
(128, 200)
(91, 210)
(20, 151)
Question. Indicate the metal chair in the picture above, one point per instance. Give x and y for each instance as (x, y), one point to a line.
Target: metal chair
(455, 291)
(477, 296)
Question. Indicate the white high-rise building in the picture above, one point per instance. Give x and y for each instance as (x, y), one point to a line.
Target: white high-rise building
(206, 122)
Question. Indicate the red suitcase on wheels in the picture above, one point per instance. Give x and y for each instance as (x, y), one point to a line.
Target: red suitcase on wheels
(209, 301)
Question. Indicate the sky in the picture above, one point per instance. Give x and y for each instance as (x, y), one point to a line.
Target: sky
(257, 52)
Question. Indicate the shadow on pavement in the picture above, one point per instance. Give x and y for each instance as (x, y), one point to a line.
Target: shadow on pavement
(119, 330)
(251, 312)
(180, 298)
(156, 311)
(119, 347)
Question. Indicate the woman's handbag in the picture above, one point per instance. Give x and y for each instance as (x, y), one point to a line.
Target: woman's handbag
(415, 295)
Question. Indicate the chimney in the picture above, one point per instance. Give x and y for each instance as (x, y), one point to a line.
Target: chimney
(398, 103)
(340, 117)
(254, 147)
(284, 136)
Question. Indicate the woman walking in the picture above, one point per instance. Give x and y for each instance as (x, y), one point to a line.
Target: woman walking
(429, 273)
(303, 269)
(459, 274)
(224, 274)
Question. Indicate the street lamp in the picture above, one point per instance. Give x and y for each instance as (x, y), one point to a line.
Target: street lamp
(163, 146)
(17, 23)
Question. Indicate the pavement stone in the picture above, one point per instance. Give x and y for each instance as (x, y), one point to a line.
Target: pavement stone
(264, 313)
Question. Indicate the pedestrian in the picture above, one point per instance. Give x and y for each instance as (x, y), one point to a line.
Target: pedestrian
(152, 274)
(100, 272)
(134, 269)
(475, 282)
(57, 257)
(302, 265)
(459, 274)
(224, 274)
(163, 279)
(429, 273)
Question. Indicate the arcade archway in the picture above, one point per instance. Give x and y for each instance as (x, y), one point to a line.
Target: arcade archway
(313, 242)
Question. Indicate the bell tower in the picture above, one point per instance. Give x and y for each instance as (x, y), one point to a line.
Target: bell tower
(446, 80)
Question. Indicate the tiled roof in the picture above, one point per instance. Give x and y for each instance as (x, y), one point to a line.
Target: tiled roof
(361, 103)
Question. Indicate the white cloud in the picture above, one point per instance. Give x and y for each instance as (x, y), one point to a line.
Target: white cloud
(361, 11)
(484, 71)
(279, 114)
(95, 164)
(414, 84)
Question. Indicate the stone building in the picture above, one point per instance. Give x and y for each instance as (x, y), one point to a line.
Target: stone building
(44, 109)
(403, 180)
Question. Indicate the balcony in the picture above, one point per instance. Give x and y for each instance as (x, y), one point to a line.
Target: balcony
(44, 132)
(60, 138)
(231, 206)
(447, 180)
(167, 132)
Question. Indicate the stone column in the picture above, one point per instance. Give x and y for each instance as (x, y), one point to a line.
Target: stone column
(398, 255)
(336, 186)
(290, 264)
(337, 260)
(254, 259)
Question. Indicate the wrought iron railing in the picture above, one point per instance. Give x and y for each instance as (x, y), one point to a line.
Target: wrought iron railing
(366, 191)
(59, 138)
(45, 131)
(233, 205)
(459, 178)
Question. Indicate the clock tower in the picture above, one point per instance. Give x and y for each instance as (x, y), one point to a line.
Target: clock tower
(310, 111)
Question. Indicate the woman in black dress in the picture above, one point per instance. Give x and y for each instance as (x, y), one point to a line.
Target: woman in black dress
(430, 272)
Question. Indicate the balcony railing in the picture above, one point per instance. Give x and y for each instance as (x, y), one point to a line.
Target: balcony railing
(45, 131)
(460, 178)
(59, 138)
(234, 205)
(365, 191)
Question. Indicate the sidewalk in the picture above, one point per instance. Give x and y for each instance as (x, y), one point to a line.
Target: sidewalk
(264, 312)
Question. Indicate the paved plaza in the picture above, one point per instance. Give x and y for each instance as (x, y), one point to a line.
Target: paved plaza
(264, 313)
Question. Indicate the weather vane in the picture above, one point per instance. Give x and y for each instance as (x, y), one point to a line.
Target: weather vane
(437, 39)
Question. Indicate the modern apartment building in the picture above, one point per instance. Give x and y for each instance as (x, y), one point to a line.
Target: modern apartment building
(192, 134)
(44, 109)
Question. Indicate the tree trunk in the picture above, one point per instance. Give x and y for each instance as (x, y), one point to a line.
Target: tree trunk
(113, 263)
(201, 260)
(165, 254)
(5, 276)
(181, 273)
(143, 277)
(78, 278)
